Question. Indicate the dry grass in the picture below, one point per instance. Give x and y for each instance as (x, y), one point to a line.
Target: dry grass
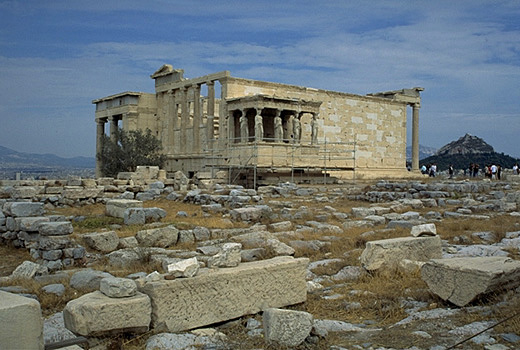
(499, 225)
(11, 258)
(50, 303)
(379, 295)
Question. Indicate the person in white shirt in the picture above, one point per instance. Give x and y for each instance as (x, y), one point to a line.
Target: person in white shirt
(494, 170)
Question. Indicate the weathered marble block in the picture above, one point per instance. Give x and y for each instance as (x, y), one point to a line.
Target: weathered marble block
(224, 294)
(22, 323)
(23, 209)
(80, 192)
(286, 327)
(389, 252)
(58, 228)
(29, 224)
(117, 207)
(97, 314)
(461, 280)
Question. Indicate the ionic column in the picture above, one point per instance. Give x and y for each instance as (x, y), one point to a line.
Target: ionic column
(415, 136)
(100, 132)
(172, 120)
(185, 114)
(113, 128)
(197, 116)
(211, 113)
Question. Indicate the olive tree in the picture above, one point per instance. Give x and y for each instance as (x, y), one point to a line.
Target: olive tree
(132, 148)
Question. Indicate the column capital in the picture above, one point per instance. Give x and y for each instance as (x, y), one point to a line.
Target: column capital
(416, 105)
(210, 82)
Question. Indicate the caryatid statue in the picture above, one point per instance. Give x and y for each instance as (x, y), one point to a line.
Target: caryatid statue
(289, 132)
(278, 129)
(244, 131)
(259, 128)
(314, 130)
(297, 130)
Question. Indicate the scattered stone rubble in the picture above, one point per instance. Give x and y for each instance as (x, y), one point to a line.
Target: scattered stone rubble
(227, 270)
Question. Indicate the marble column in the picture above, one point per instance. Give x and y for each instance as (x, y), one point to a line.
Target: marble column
(185, 114)
(197, 117)
(211, 113)
(172, 120)
(415, 136)
(100, 132)
(113, 128)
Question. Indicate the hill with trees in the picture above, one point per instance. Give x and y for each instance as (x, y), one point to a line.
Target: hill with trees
(466, 150)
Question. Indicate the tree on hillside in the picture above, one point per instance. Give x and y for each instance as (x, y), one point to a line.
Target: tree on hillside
(132, 148)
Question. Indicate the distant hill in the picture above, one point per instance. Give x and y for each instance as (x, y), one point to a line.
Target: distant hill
(424, 151)
(467, 144)
(12, 162)
(466, 150)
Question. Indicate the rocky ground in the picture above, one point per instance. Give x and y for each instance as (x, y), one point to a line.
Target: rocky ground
(352, 308)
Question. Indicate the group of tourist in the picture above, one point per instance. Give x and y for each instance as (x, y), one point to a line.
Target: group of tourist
(430, 169)
(490, 171)
(493, 171)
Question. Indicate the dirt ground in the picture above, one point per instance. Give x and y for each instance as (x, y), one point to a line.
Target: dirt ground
(10, 258)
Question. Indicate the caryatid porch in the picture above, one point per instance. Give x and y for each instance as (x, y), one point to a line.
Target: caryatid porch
(263, 118)
(268, 131)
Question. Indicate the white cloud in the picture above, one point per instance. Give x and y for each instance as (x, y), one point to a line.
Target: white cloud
(466, 54)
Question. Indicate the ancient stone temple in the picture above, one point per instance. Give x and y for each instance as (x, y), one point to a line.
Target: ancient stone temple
(267, 130)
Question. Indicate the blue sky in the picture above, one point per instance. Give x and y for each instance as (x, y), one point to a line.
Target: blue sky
(57, 56)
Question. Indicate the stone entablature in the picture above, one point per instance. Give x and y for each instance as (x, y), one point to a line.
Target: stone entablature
(200, 133)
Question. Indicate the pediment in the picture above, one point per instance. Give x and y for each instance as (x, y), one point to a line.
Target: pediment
(164, 70)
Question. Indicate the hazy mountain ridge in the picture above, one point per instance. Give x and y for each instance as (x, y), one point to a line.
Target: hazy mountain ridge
(424, 152)
(12, 158)
(36, 165)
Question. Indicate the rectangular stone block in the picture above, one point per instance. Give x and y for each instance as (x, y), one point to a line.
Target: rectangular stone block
(79, 192)
(29, 224)
(26, 191)
(57, 228)
(117, 207)
(223, 294)
(22, 322)
(97, 314)
(19, 209)
(388, 253)
(461, 280)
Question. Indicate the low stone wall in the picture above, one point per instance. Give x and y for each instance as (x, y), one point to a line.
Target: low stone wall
(23, 225)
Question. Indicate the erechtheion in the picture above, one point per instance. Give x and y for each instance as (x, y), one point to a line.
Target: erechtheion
(269, 130)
